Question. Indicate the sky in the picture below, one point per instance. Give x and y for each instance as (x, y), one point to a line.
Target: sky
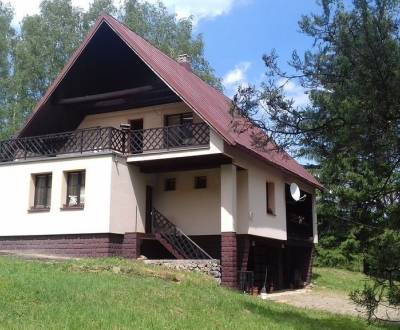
(236, 33)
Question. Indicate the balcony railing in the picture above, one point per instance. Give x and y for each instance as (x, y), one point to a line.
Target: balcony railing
(169, 137)
(105, 139)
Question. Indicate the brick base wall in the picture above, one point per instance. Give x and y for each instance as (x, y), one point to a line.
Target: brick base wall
(131, 245)
(76, 245)
(229, 260)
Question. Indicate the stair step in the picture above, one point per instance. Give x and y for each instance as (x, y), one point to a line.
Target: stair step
(169, 247)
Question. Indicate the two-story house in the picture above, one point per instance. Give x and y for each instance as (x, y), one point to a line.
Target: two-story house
(129, 153)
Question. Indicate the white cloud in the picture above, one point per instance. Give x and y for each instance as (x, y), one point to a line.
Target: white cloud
(236, 77)
(23, 8)
(200, 9)
(295, 92)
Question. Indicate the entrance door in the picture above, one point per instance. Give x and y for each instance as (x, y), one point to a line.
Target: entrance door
(149, 208)
(136, 141)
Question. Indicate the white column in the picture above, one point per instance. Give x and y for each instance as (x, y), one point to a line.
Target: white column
(228, 198)
(314, 215)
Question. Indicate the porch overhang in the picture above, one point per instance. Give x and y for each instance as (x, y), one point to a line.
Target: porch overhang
(157, 165)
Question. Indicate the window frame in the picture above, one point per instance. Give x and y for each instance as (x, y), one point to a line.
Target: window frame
(166, 184)
(197, 180)
(183, 116)
(48, 188)
(270, 200)
(81, 174)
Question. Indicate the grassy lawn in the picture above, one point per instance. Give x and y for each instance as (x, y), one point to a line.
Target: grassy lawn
(119, 294)
(338, 280)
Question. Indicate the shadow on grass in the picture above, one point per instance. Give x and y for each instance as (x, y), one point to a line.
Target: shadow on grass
(315, 276)
(303, 320)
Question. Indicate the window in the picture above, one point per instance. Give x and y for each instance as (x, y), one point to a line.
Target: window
(75, 189)
(200, 182)
(180, 130)
(170, 184)
(42, 199)
(179, 119)
(270, 194)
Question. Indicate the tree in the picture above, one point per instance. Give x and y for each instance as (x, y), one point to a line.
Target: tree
(6, 42)
(351, 126)
(45, 43)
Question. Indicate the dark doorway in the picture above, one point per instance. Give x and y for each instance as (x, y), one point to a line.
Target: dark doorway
(136, 141)
(149, 208)
(179, 130)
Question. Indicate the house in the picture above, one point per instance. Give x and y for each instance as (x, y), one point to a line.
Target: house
(129, 153)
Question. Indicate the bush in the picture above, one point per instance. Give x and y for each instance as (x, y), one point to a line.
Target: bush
(337, 258)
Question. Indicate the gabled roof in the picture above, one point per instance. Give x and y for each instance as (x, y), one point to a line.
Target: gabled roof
(210, 104)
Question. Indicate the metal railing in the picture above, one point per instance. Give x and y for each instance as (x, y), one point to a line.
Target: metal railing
(105, 138)
(169, 137)
(79, 141)
(179, 241)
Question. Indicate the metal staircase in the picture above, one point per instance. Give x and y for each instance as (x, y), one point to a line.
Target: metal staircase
(175, 240)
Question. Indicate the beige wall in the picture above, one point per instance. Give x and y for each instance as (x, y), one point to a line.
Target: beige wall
(128, 198)
(153, 116)
(195, 211)
(16, 197)
(252, 215)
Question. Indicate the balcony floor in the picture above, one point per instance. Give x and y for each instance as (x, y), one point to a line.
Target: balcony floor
(181, 163)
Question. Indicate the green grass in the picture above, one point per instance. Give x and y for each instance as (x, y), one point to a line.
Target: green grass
(118, 294)
(338, 280)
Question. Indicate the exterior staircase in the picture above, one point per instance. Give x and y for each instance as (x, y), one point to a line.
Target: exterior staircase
(174, 240)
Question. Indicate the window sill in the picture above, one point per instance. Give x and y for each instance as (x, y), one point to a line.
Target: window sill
(38, 209)
(72, 208)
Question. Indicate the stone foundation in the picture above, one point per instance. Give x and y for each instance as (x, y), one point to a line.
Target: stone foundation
(209, 267)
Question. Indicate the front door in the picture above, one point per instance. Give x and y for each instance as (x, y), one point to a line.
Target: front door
(149, 208)
(136, 140)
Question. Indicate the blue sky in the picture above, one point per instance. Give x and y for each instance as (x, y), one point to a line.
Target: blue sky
(236, 41)
(236, 33)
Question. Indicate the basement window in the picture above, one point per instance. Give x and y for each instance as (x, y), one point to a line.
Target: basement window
(270, 195)
(42, 198)
(170, 184)
(200, 182)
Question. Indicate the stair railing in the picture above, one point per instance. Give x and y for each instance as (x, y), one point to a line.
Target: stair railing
(179, 241)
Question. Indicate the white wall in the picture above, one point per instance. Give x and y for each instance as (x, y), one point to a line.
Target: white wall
(16, 197)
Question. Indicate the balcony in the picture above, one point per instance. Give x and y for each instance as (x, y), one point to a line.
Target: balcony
(101, 139)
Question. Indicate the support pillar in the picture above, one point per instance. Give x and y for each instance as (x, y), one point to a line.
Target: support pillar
(228, 226)
(131, 245)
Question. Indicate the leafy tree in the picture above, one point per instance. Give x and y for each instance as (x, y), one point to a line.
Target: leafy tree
(45, 43)
(6, 42)
(351, 126)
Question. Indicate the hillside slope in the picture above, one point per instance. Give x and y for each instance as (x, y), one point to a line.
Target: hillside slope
(119, 294)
